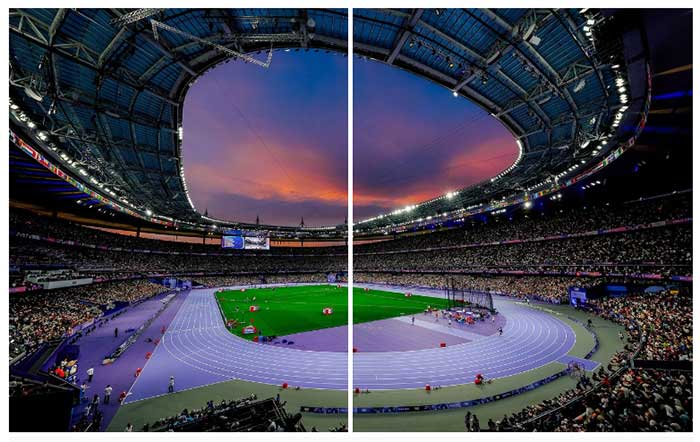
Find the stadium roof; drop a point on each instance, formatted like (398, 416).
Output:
(558, 79)
(101, 91)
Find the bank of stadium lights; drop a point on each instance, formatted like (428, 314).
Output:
(450, 195)
(179, 133)
(512, 166)
(527, 204)
(591, 184)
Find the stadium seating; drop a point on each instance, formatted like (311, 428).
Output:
(247, 414)
(647, 237)
(47, 315)
(621, 398)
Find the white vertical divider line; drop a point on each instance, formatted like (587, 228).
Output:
(350, 220)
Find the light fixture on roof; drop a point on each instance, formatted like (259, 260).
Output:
(32, 93)
(590, 22)
(580, 85)
(149, 212)
(455, 94)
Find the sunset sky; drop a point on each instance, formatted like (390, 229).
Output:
(414, 140)
(270, 142)
(273, 142)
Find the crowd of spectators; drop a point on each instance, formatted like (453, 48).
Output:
(223, 281)
(660, 329)
(662, 250)
(43, 316)
(664, 322)
(534, 223)
(246, 414)
(28, 223)
(25, 252)
(639, 400)
(666, 251)
(548, 289)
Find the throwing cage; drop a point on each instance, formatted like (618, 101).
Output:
(459, 296)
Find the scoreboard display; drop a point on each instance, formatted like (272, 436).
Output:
(577, 296)
(245, 240)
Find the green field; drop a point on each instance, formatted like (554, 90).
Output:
(377, 304)
(296, 309)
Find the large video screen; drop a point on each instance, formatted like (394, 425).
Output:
(256, 242)
(232, 242)
(237, 239)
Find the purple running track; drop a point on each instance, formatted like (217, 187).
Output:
(531, 339)
(101, 342)
(198, 350)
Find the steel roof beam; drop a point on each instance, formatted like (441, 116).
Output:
(477, 59)
(533, 52)
(112, 110)
(407, 29)
(61, 50)
(104, 55)
(167, 52)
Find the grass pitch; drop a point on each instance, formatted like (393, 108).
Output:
(373, 305)
(286, 310)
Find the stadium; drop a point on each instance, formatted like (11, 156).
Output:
(128, 304)
(551, 293)
(556, 293)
